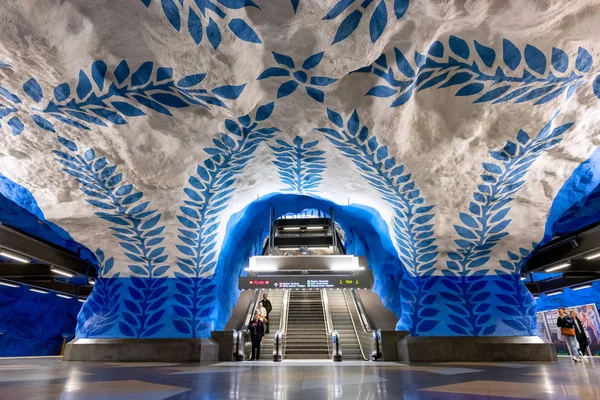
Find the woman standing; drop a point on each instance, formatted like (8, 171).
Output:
(567, 328)
(580, 333)
(256, 335)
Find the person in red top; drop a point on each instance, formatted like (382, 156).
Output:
(256, 334)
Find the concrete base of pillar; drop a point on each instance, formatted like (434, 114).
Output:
(142, 350)
(484, 348)
(389, 344)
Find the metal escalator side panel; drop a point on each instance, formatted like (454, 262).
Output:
(353, 309)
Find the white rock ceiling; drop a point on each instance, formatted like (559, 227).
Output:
(440, 138)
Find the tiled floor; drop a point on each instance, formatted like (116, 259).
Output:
(51, 378)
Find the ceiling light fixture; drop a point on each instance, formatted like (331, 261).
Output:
(14, 256)
(315, 228)
(9, 284)
(289, 248)
(592, 256)
(81, 300)
(38, 290)
(554, 293)
(581, 287)
(91, 281)
(291, 228)
(61, 272)
(64, 296)
(557, 267)
(523, 278)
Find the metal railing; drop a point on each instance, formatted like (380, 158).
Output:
(361, 312)
(283, 321)
(360, 346)
(327, 317)
(337, 347)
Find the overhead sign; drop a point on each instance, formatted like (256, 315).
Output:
(360, 281)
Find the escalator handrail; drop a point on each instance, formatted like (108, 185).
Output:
(362, 352)
(326, 312)
(283, 321)
(251, 308)
(361, 312)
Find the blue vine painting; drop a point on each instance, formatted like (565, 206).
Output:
(377, 22)
(299, 165)
(209, 192)
(479, 72)
(200, 22)
(413, 226)
(137, 229)
(96, 101)
(299, 76)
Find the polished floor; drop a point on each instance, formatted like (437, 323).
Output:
(51, 378)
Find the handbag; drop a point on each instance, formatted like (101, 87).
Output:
(567, 331)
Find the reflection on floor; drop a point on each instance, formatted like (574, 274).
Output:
(51, 378)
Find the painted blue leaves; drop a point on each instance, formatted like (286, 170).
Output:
(136, 228)
(377, 22)
(462, 66)
(299, 164)
(486, 221)
(208, 193)
(299, 76)
(200, 21)
(413, 225)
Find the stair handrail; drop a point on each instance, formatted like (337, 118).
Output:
(251, 309)
(362, 352)
(326, 312)
(283, 321)
(361, 312)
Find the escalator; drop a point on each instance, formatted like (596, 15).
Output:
(276, 298)
(306, 335)
(343, 322)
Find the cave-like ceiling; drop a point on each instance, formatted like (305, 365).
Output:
(140, 127)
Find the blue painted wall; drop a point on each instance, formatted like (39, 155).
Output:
(34, 323)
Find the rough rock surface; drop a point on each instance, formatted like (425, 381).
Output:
(458, 121)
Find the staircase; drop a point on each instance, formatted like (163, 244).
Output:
(266, 348)
(306, 336)
(342, 322)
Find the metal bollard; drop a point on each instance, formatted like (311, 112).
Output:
(376, 354)
(277, 350)
(337, 349)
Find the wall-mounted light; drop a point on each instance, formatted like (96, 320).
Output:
(523, 278)
(557, 267)
(581, 287)
(554, 293)
(81, 300)
(9, 284)
(61, 272)
(64, 296)
(14, 256)
(38, 290)
(593, 255)
(91, 281)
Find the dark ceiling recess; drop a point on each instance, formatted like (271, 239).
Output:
(576, 256)
(28, 261)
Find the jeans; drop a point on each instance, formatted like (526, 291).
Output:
(572, 343)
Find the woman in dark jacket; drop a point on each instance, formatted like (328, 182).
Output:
(256, 334)
(567, 327)
(580, 334)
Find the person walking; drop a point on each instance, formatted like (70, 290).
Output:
(256, 335)
(268, 307)
(580, 334)
(567, 328)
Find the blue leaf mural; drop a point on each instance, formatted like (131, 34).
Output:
(209, 192)
(470, 70)
(299, 75)
(378, 20)
(135, 227)
(205, 10)
(413, 225)
(132, 95)
(299, 164)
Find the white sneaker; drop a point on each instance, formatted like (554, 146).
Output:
(574, 358)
